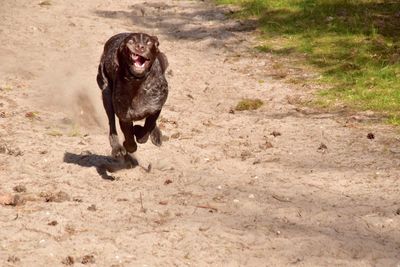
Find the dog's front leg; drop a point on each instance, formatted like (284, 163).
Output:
(129, 143)
(116, 149)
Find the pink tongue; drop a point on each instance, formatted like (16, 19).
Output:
(140, 60)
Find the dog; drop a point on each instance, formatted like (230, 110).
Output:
(131, 76)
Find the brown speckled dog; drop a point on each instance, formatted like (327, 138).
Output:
(131, 78)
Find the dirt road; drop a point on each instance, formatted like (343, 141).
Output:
(223, 191)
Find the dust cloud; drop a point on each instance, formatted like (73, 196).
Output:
(71, 87)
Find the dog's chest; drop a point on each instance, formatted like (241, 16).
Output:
(140, 101)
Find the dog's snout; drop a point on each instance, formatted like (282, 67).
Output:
(140, 47)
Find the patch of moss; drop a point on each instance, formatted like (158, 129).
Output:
(248, 104)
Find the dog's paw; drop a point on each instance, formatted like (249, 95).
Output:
(118, 151)
(141, 134)
(142, 139)
(130, 145)
(155, 136)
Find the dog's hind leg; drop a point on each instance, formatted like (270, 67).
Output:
(149, 129)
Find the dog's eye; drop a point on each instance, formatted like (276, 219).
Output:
(130, 41)
(149, 43)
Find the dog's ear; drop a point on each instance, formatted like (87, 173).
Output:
(120, 54)
(154, 39)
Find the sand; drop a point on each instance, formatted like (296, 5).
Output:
(223, 190)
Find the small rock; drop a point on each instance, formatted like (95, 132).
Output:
(322, 147)
(19, 200)
(31, 115)
(163, 202)
(204, 228)
(167, 182)
(251, 196)
(12, 200)
(266, 145)
(245, 155)
(13, 259)
(175, 135)
(92, 207)
(5, 149)
(70, 229)
(370, 136)
(275, 134)
(77, 199)
(53, 223)
(19, 188)
(88, 259)
(69, 260)
(236, 201)
(59, 197)
(398, 211)
(257, 161)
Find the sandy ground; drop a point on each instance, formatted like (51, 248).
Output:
(222, 190)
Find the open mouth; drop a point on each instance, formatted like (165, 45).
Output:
(139, 61)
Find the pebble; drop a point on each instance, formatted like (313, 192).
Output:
(251, 196)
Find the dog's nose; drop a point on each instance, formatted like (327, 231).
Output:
(140, 47)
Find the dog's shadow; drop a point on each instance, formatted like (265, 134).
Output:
(103, 164)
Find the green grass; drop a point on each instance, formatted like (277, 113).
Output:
(355, 44)
(248, 104)
(45, 3)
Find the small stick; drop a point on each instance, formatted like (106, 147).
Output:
(142, 209)
(206, 207)
(281, 199)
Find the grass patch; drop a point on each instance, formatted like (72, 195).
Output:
(248, 104)
(6, 88)
(355, 44)
(74, 131)
(55, 133)
(32, 115)
(45, 3)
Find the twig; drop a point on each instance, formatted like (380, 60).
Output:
(206, 207)
(142, 209)
(281, 199)
(151, 232)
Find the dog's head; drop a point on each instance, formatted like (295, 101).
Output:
(137, 53)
